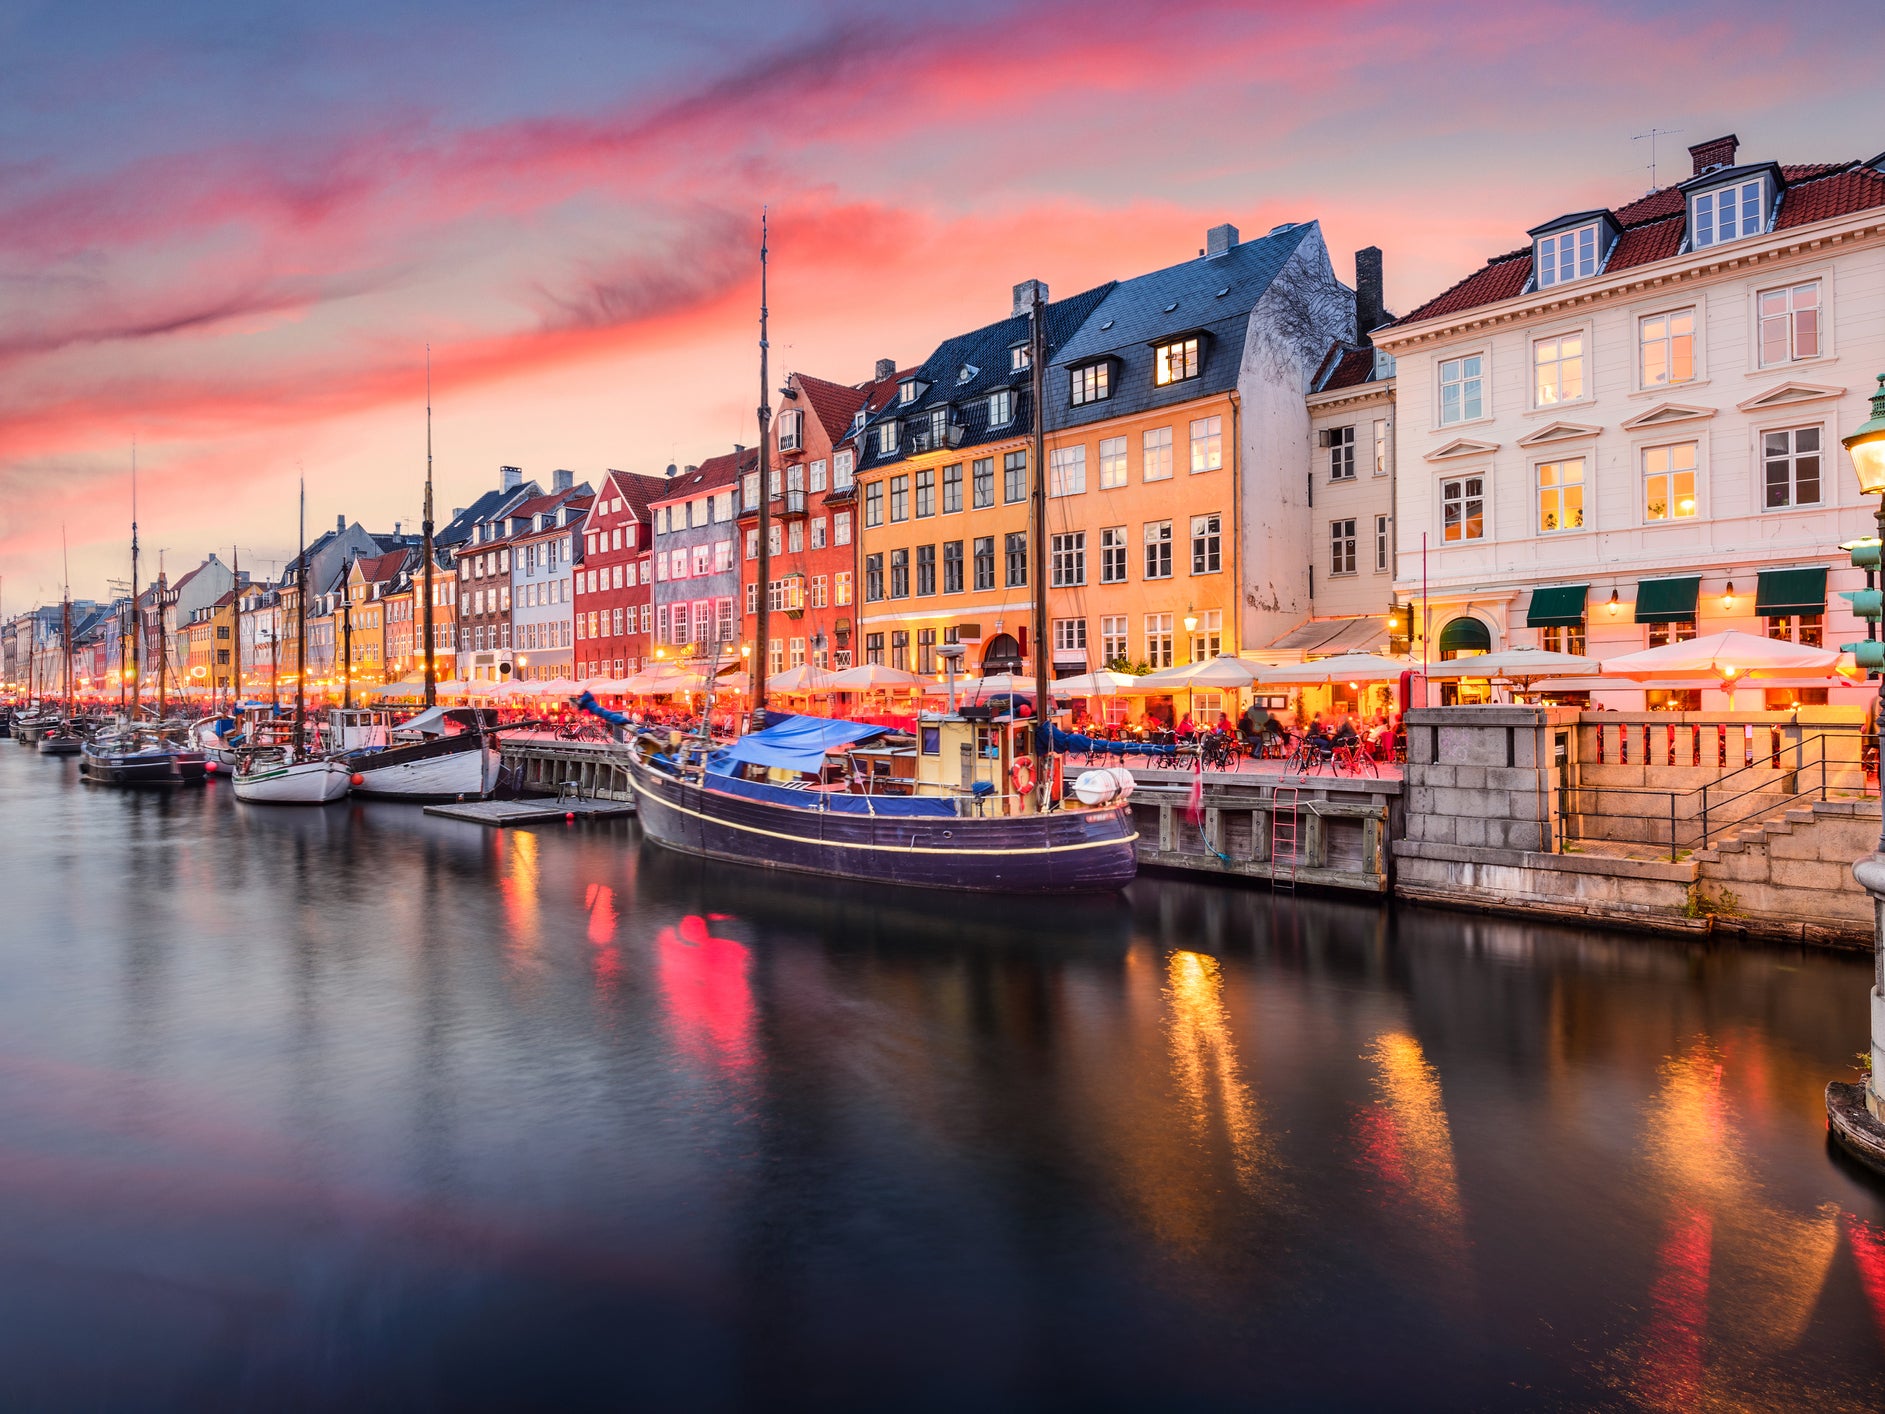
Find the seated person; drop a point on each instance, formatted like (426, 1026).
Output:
(1346, 735)
(1317, 737)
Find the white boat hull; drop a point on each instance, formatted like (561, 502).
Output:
(302, 783)
(472, 774)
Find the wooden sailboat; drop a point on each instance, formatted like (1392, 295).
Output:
(291, 773)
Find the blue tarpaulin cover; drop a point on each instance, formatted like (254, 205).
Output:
(795, 743)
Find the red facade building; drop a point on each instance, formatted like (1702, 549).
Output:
(615, 579)
(814, 523)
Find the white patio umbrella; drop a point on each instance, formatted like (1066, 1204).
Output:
(1208, 673)
(1520, 665)
(1104, 683)
(1344, 667)
(804, 678)
(968, 689)
(558, 687)
(1724, 657)
(872, 677)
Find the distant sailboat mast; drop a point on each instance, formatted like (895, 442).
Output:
(137, 609)
(301, 622)
(431, 669)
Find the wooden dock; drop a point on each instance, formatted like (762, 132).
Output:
(502, 814)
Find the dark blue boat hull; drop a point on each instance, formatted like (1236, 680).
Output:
(1061, 852)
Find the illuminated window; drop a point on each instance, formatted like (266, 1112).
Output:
(1158, 453)
(1669, 482)
(1175, 362)
(1463, 508)
(1090, 384)
(1561, 495)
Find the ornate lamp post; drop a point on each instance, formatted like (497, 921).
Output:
(1854, 1111)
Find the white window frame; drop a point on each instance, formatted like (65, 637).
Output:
(1464, 499)
(1001, 408)
(1791, 431)
(1344, 548)
(1152, 454)
(1066, 470)
(1667, 340)
(1067, 559)
(1383, 454)
(1114, 469)
(1115, 638)
(1341, 442)
(1115, 550)
(1705, 213)
(1383, 542)
(1558, 465)
(1570, 254)
(1207, 443)
(1483, 377)
(1581, 361)
(1643, 452)
(1821, 283)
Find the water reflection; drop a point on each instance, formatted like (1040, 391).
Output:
(1204, 1064)
(1405, 1138)
(709, 999)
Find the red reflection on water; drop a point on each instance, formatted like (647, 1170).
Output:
(600, 901)
(1678, 1301)
(1868, 1249)
(710, 1002)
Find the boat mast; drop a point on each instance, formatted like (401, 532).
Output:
(235, 634)
(66, 621)
(1038, 381)
(163, 646)
(137, 608)
(301, 619)
(763, 599)
(431, 673)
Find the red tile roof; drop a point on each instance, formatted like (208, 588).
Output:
(834, 404)
(1654, 226)
(1344, 366)
(378, 569)
(638, 490)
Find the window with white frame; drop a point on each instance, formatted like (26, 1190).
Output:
(1383, 537)
(1380, 446)
(1014, 477)
(1342, 546)
(1808, 630)
(1090, 384)
(1564, 638)
(1019, 357)
(1463, 508)
(1112, 463)
(1665, 346)
(1207, 543)
(1158, 454)
(1113, 645)
(1069, 559)
(1158, 549)
(1001, 408)
(1669, 482)
(1066, 471)
(1069, 635)
(1561, 495)
(1727, 213)
(840, 527)
(1567, 255)
(819, 527)
(818, 475)
(886, 438)
(1341, 444)
(982, 483)
(842, 464)
(906, 392)
(1207, 640)
(1113, 555)
(1207, 443)
(1158, 640)
(1558, 369)
(1789, 323)
(1678, 631)
(1790, 464)
(791, 431)
(1462, 388)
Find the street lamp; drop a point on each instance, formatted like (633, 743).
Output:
(1854, 1111)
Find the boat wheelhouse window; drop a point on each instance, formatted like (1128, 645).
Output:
(932, 741)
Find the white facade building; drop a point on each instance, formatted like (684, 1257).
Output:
(1639, 415)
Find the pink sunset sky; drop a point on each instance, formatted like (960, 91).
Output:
(229, 235)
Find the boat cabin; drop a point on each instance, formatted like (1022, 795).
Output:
(359, 728)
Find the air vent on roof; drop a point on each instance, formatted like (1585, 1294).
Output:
(1107, 325)
(1170, 307)
(1221, 293)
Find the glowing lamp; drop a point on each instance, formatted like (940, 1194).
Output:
(1729, 670)
(1727, 598)
(1614, 605)
(1866, 446)
(1191, 622)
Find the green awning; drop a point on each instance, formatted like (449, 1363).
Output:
(1668, 601)
(1465, 635)
(1796, 591)
(1557, 606)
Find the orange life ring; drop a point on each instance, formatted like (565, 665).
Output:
(1021, 775)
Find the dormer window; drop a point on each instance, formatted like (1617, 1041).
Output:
(1728, 213)
(1567, 255)
(966, 374)
(907, 392)
(1175, 362)
(886, 438)
(1020, 357)
(1091, 384)
(1001, 408)
(791, 431)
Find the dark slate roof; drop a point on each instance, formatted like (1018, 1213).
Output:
(486, 507)
(1654, 227)
(987, 352)
(1213, 295)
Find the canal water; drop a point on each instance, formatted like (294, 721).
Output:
(357, 1108)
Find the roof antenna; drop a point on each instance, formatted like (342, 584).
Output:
(1652, 135)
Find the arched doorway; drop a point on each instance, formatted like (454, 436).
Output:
(1464, 637)
(1002, 654)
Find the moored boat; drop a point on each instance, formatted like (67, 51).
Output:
(443, 754)
(136, 761)
(282, 776)
(62, 740)
(848, 800)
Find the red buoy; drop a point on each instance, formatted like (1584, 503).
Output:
(569, 814)
(357, 779)
(209, 768)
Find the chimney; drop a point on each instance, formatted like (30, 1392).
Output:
(886, 368)
(509, 478)
(1220, 240)
(395, 530)
(1024, 296)
(1369, 314)
(1716, 152)
(562, 480)
(340, 525)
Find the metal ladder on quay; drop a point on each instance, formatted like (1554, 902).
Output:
(1285, 836)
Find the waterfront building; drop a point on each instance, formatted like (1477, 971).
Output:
(1176, 508)
(813, 532)
(614, 578)
(369, 579)
(1625, 432)
(481, 600)
(543, 552)
(942, 487)
(258, 630)
(399, 603)
(696, 556)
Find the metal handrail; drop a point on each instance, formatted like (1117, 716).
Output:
(1708, 816)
